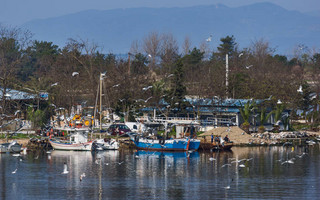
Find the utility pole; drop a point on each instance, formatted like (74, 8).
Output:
(227, 75)
(101, 79)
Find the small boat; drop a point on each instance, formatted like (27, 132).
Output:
(12, 147)
(226, 146)
(78, 141)
(105, 144)
(184, 144)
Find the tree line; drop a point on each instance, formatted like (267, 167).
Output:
(70, 74)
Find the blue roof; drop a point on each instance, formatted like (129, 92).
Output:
(17, 95)
(209, 105)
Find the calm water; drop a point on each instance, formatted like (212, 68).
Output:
(149, 175)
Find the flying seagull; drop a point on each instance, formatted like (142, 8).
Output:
(54, 84)
(209, 38)
(147, 88)
(75, 73)
(300, 89)
(248, 67)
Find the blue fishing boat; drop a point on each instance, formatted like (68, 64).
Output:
(150, 144)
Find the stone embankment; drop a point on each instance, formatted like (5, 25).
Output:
(240, 138)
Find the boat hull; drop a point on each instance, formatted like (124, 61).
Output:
(11, 148)
(214, 146)
(167, 145)
(71, 147)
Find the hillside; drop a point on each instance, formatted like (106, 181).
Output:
(115, 30)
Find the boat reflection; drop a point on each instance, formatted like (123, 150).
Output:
(157, 154)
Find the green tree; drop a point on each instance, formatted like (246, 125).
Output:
(228, 46)
(246, 112)
(178, 89)
(263, 118)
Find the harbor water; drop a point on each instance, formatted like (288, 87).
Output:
(269, 172)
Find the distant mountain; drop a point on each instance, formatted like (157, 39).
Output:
(115, 30)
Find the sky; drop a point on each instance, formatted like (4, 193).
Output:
(17, 12)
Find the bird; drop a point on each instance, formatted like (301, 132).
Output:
(15, 171)
(121, 100)
(170, 75)
(242, 165)
(120, 163)
(269, 97)
(117, 85)
(209, 38)
(227, 187)
(249, 66)
(279, 101)
(65, 169)
(82, 176)
(288, 162)
(144, 100)
(212, 159)
(241, 54)
(149, 55)
(147, 88)
(226, 165)
(300, 156)
(136, 156)
(75, 73)
(300, 89)
(54, 84)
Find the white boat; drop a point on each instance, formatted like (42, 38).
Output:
(12, 147)
(105, 144)
(78, 141)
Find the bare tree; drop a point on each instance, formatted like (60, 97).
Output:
(169, 51)
(152, 46)
(12, 43)
(186, 46)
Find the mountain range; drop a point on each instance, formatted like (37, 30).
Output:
(115, 30)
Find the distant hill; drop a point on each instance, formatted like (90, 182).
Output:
(115, 30)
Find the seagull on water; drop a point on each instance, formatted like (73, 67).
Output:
(82, 176)
(65, 169)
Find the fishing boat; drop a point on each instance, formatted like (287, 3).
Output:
(78, 141)
(12, 147)
(226, 146)
(183, 144)
(105, 144)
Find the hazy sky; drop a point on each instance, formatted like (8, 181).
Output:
(16, 12)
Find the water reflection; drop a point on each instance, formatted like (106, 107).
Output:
(246, 172)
